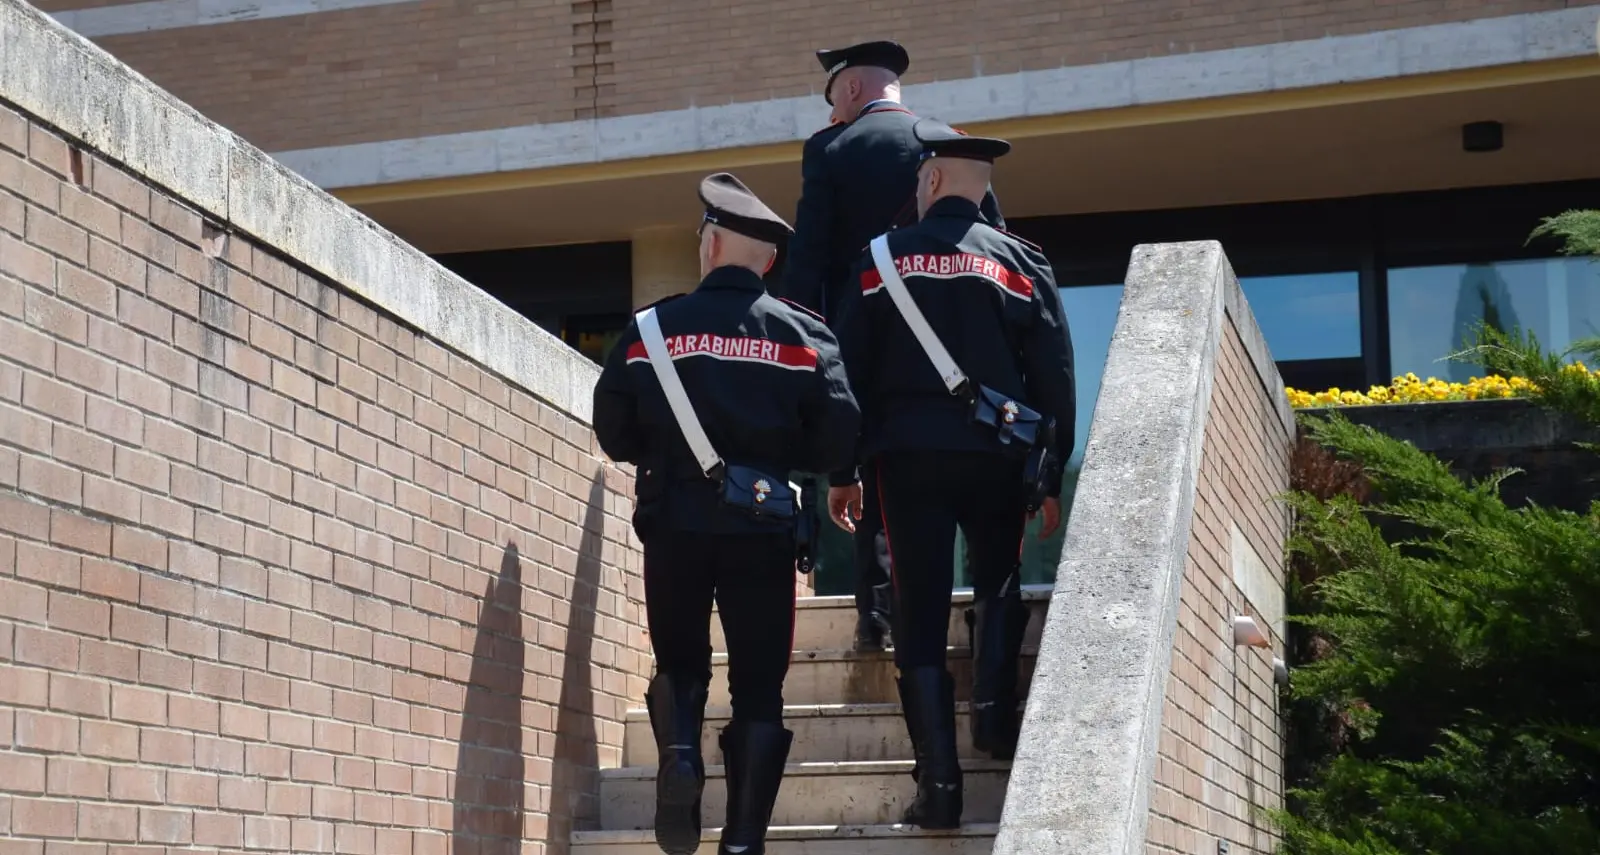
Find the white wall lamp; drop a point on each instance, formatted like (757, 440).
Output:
(1280, 671)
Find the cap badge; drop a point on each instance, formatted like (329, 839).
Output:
(761, 488)
(1009, 410)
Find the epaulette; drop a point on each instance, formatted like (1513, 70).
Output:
(667, 299)
(833, 125)
(1022, 240)
(804, 309)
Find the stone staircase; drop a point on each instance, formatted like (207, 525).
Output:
(848, 778)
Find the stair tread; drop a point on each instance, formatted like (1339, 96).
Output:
(799, 832)
(850, 655)
(803, 711)
(1031, 593)
(819, 767)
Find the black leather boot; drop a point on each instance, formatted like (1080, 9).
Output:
(754, 753)
(996, 627)
(677, 709)
(874, 603)
(873, 632)
(928, 696)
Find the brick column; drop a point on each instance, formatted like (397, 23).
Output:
(666, 260)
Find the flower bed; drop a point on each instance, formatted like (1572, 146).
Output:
(1410, 389)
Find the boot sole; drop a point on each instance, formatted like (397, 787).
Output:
(678, 791)
(932, 825)
(995, 748)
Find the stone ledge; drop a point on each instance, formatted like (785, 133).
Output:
(1086, 764)
(62, 80)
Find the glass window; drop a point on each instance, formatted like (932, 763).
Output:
(1309, 315)
(1091, 317)
(593, 335)
(1433, 310)
(597, 345)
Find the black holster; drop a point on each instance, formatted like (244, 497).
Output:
(808, 527)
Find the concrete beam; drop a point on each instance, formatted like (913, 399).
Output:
(1386, 55)
(63, 80)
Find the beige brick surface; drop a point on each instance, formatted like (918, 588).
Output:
(1221, 751)
(277, 572)
(445, 66)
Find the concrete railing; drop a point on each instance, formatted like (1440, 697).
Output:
(1145, 725)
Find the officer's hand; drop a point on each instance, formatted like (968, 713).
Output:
(1052, 517)
(844, 505)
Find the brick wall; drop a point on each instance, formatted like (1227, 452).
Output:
(277, 571)
(439, 66)
(1220, 759)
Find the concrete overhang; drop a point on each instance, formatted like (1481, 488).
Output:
(1380, 136)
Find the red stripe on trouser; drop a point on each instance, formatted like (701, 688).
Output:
(883, 516)
(1022, 539)
(794, 605)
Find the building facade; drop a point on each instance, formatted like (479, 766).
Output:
(1373, 167)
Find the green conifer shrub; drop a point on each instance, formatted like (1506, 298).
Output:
(1447, 694)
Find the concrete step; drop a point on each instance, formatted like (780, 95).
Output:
(829, 623)
(811, 794)
(970, 839)
(853, 677)
(822, 732)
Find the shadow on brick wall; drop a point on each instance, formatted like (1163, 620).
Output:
(492, 762)
(488, 795)
(575, 778)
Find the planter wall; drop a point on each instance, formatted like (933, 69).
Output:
(1478, 437)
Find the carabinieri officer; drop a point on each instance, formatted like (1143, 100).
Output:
(958, 348)
(716, 397)
(859, 179)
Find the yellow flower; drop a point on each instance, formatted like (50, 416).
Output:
(1408, 388)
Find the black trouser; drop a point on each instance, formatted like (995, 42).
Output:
(924, 497)
(751, 579)
(873, 588)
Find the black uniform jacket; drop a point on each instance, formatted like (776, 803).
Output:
(766, 381)
(991, 298)
(858, 181)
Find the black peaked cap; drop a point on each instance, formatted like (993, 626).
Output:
(731, 205)
(881, 54)
(940, 140)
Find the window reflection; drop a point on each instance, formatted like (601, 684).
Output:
(1307, 316)
(1091, 316)
(1433, 310)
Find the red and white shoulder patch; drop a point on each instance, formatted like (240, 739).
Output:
(953, 266)
(792, 357)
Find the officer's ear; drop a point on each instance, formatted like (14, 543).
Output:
(771, 260)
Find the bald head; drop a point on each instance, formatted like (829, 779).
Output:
(720, 247)
(860, 85)
(951, 176)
